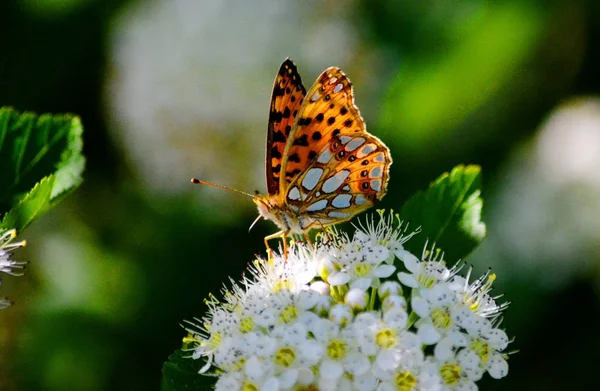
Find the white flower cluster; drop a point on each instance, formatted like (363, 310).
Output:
(358, 313)
(8, 265)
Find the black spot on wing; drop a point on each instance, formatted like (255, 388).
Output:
(304, 121)
(275, 153)
(294, 158)
(302, 141)
(291, 174)
(278, 136)
(275, 116)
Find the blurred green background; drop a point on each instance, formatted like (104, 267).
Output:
(170, 89)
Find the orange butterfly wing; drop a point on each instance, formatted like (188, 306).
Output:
(288, 94)
(333, 167)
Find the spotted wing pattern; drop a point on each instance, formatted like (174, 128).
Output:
(286, 99)
(334, 168)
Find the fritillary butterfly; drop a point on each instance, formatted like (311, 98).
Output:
(323, 167)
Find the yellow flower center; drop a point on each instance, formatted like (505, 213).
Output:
(475, 301)
(426, 281)
(482, 349)
(386, 338)
(289, 314)
(362, 269)
(246, 325)
(405, 381)
(239, 365)
(311, 387)
(249, 386)
(440, 318)
(450, 374)
(336, 350)
(285, 357)
(282, 285)
(215, 340)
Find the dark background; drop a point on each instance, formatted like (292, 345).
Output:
(168, 90)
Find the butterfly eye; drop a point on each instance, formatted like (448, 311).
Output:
(327, 97)
(336, 145)
(365, 185)
(365, 162)
(352, 158)
(364, 173)
(341, 154)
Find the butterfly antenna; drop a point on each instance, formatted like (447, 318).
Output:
(254, 222)
(199, 182)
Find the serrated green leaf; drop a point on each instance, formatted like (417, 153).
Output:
(33, 147)
(181, 373)
(35, 203)
(449, 213)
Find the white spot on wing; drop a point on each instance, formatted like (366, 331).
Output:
(338, 88)
(341, 201)
(379, 158)
(367, 149)
(319, 205)
(315, 97)
(345, 139)
(334, 182)
(338, 215)
(325, 156)
(312, 178)
(360, 200)
(346, 188)
(376, 172)
(294, 194)
(355, 143)
(376, 184)
(333, 80)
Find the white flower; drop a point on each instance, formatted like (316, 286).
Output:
(427, 272)
(384, 336)
(435, 307)
(462, 371)
(341, 352)
(414, 372)
(8, 265)
(325, 318)
(488, 346)
(476, 295)
(357, 299)
(361, 266)
(388, 232)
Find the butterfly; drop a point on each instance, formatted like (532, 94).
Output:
(322, 166)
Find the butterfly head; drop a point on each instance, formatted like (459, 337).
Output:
(283, 215)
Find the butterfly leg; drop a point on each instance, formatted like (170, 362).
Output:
(324, 231)
(283, 236)
(307, 237)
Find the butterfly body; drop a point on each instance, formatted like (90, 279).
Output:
(323, 167)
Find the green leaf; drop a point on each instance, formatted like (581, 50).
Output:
(449, 214)
(181, 373)
(33, 148)
(34, 204)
